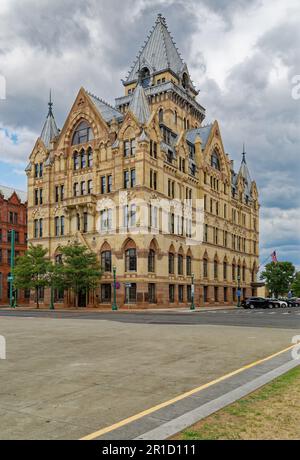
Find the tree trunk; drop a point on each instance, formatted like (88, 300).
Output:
(37, 297)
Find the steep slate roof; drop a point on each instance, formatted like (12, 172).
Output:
(139, 105)
(50, 130)
(159, 52)
(244, 172)
(203, 132)
(7, 192)
(106, 111)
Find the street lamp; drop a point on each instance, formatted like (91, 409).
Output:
(193, 293)
(239, 291)
(114, 305)
(12, 298)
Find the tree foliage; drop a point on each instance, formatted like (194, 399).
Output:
(32, 270)
(278, 276)
(296, 285)
(80, 270)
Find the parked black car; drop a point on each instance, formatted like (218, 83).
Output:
(293, 302)
(255, 302)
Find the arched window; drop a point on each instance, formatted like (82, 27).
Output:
(145, 75)
(225, 270)
(180, 264)
(151, 261)
(161, 116)
(171, 263)
(90, 157)
(233, 272)
(82, 158)
(78, 222)
(130, 260)
(106, 261)
(215, 161)
(82, 134)
(75, 161)
(216, 269)
(205, 268)
(188, 265)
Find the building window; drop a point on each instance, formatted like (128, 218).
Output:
(102, 184)
(216, 267)
(132, 178)
(205, 294)
(180, 293)
(106, 261)
(225, 294)
(171, 263)
(76, 189)
(109, 184)
(151, 261)
(56, 226)
(82, 134)
(62, 225)
(131, 293)
(85, 222)
(233, 272)
(161, 116)
(216, 294)
(78, 222)
(106, 220)
(215, 161)
(76, 161)
(105, 293)
(188, 265)
(153, 149)
(41, 228)
(171, 293)
(205, 268)
(151, 293)
(126, 179)
(129, 148)
(90, 186)
(130, 260)
(36, 201)
(153, 179)
(180, 264)
(90, 157)
(225, 270)
(36, 228)
(82, 188)
(82, 159)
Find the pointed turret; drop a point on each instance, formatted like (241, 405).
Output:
(50, 130)
(244, 172)
(139, 105)
(158, 55)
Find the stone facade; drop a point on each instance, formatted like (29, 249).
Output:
(93, 182)
(13, 216)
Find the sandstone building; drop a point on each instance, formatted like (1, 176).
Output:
(148, 187)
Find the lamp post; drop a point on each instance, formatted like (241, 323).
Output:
(114, 305)
(239, 291)
(52, 297)
(193, 293)
(12, 300)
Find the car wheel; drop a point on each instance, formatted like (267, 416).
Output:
(251, 306)
(271, 305)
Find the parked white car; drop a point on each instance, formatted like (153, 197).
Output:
(275, 303)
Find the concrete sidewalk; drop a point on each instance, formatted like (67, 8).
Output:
(129, 310)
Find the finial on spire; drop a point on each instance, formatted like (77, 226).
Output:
(244, 153)
(50, 103)
(161, 19)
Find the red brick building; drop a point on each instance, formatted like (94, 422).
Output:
(13, 216)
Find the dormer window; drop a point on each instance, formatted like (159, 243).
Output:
(145, 76)
(215, 161)
(82, 134)
(185, 80)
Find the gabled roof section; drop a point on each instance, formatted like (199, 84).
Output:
(7, 193)
(203, 132)
(107, 111)
(139, 105)
(159, 52)
(50, 130)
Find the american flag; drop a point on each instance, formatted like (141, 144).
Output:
(274, 257)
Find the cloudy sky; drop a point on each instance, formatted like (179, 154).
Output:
(242, 55)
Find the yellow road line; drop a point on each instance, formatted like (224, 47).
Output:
(138, 416)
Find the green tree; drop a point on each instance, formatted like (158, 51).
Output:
(296, 285)
(278, 277)
(80, 270)
(32, 270)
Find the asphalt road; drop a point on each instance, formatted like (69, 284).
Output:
(287, 318)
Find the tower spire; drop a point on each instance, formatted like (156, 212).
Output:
(50, 130)
(244, 154)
